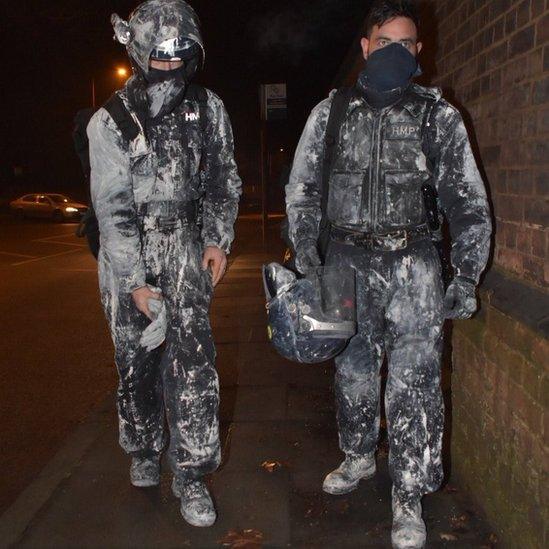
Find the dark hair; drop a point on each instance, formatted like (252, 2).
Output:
(385, 10)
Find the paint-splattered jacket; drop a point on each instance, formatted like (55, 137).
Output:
(181, 161)
(382, 159)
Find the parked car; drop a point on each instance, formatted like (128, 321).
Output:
(53, 206)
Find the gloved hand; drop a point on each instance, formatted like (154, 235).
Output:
(306, 256)
(155, 333)
(460, 300)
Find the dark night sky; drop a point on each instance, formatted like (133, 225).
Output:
(54, 48)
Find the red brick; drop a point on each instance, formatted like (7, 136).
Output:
(538, 151)
(523, 13)
(542, 30)
(543, 121)
(498, 7)
(540, 92)
(515, 71)
(544, 390)
(496, 56)
(542, 183)
(510, 233)
(534, 269)
(539, 243)
(522, 439)
(510, 260)
(538, 6)
(523, 241)
(531, 381)
(530, 123)
(536, 211)
(520, 182)
(522, 41)
(504, 357)
(535, 63)
(510, 208)
(511, 22)
(501, 397)
(540, 353)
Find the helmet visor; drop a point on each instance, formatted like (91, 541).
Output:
(175, 49)
(332, 312)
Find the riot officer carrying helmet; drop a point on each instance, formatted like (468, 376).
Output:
(396, 140)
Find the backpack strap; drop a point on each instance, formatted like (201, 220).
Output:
(122, 117)
(338, 110)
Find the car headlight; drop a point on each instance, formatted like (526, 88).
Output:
(71, 209)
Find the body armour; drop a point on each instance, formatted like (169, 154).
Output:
(375, 184)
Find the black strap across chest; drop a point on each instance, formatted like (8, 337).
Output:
(130, 129)
(338, 110)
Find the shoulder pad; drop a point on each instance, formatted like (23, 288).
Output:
(196, 93)
(427, 92)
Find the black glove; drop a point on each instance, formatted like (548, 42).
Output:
(306, 256)
(460, 300)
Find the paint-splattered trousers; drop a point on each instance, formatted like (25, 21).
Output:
(399, 307)
(175, 384)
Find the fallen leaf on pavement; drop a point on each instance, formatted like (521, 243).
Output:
(270, 466)
(243, 539)
(460, 522)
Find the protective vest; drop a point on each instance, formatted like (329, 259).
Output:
(380, 166)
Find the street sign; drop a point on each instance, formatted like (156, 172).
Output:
(273, 102)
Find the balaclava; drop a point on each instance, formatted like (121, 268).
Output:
(387, 74)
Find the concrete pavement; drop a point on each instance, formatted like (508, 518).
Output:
(279, 440)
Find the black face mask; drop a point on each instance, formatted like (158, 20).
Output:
(389, 68)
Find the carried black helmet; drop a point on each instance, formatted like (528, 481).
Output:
(310, 319)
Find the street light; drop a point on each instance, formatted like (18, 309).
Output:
(121, 72)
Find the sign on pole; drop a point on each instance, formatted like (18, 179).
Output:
(273, 102)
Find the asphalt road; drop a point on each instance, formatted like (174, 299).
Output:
(55, 352)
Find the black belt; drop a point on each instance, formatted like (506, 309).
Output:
(167, 215)
(391, 241)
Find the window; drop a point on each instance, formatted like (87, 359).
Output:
(58, 198)
(43, 200)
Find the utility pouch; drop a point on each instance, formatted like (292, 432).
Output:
(430, 200)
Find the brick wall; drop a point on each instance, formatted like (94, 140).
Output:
(493, 60)
(494, 57)
(499, 419)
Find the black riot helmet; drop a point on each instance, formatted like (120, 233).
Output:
(161, 29)
(310, 319)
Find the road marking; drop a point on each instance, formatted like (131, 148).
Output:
(43, 257)
(77, 270)
(63, 243)
(18, 255)
(53, 236)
